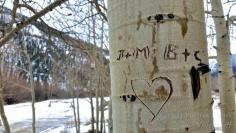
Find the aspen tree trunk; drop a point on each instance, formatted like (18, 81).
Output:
(97, 88)
(110, 125)
(159, 67)
(32, 88)
(74, 111)
(3, 115)
(97, 107)
(78, 115)
(226, 83)
(2, 111)
(101, 107)
(91, 76)
(91, 101)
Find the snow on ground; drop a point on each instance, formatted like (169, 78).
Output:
(58, 118)
(55, 119)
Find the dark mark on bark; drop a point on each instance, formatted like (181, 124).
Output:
(204, 69)
(186, 54)
(171, 16)
(196, 56)
(153, 34)
(170, 52)
(155, 67)
(140, 21)
(159, 17)
(212, 102)
(128, 98)
(186, 128)
(144, 51)
(124, 98)
(195, 81)
(142, 130)
(184, 26)
(149, 18)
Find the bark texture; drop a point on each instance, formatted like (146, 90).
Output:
(159, 67)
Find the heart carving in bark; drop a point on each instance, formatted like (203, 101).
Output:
(157, 89)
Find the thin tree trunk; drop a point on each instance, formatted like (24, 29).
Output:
(110, 125)
(97, 111)
(102, 87)
(32, 87)
(2, 111)
(97, 88)
(92, 113)
(159, 67)
(78, 115)
(3, 115)
(226, 81)
(101, 109)
(74, 112)
(91, 101)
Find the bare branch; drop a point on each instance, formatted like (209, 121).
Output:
(97, 6)
(23, 24)
(13, 13)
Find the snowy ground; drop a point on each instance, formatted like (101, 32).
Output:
(59, 117)
(55, 119)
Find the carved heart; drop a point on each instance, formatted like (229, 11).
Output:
(153, 90)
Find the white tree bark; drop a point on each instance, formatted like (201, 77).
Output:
(226, 85)
(159, 67)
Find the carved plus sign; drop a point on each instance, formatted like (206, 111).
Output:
(128, 55)
(186, 54)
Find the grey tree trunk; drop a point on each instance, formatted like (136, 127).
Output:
(159, 67)
(226, 81)
(2, 111)
(3, 115)
(32, 88)
(110, 125)
(78, 115)
(74, 111)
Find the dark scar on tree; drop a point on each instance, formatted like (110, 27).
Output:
(195, 75)
(168, 98)
(128, 98)
(213, 131)
(195, 81)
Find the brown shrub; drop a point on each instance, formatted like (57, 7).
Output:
(15, 90)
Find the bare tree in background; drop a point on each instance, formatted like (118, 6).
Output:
(2, 82)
